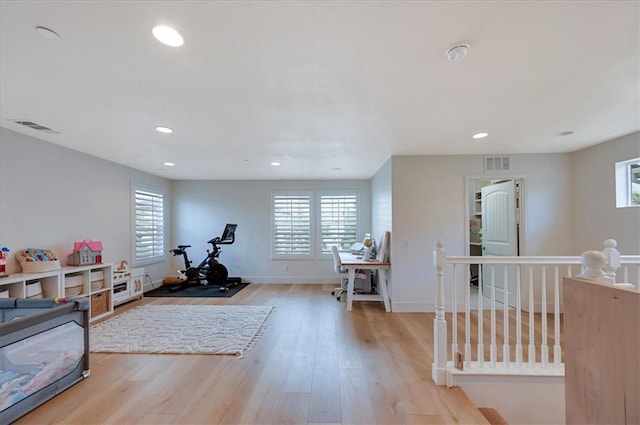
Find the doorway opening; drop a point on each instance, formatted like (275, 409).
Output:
(494, 220)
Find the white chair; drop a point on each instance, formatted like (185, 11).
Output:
(343, 273)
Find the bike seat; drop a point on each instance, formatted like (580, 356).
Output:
(184, 246)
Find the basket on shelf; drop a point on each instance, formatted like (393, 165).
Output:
(73, 285)
(97, 280)
(37, 260)
(34, 289)
(97, 284)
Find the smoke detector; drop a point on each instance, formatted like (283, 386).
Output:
(457, 52)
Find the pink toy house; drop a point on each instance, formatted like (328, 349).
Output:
(86, 252)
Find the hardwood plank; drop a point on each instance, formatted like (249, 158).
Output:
(325, 402)
(426, 420)
(293, 409)
(493, 416)
(356, 406)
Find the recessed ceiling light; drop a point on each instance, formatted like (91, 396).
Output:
(48, 33)
(565, 133)
(163, 129)
(168, 36)
(275, 164)
(480, 135)
(169, 164)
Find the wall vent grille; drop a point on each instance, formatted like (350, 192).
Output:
(35, 126)
(497, 163)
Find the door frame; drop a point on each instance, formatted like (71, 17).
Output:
(522, 228)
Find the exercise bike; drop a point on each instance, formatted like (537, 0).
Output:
(210, 271)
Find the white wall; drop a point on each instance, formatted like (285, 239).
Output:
(381, 219)
(202, 208)
(429, 204)
(381, 211)
(51, 196)
(597, 217)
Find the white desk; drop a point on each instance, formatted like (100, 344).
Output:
(352, 263)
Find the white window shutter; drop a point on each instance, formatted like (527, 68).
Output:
(338, 221)
(291, 225)
(149, 225)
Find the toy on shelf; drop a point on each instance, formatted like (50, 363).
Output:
(123, 266)
(4, 252)
(37, 260)
(86, 252)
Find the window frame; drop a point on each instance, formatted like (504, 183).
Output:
(337, 192)
(156, 258)
(624, 183)
(290, 256)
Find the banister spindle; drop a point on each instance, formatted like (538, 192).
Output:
(480, 346)
(626, 274)
(454, 315)
(518, 317)
(557, 352)
(467, 324)
(532, 347)
(544, 348)
(493, 347)
(506, 351)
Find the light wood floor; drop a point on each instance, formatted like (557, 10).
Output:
(316, 363)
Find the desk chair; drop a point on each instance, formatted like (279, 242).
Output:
(342, 272)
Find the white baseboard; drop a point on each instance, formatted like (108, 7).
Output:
(150, 286)
(262, 280)
(292, 280)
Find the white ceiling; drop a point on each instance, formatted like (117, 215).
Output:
(331, 89)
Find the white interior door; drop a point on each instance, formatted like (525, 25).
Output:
(499, 236)
(499, 233)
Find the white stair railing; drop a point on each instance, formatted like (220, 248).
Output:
(531, 279)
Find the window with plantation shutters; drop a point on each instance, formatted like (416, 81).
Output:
(338, 221)
(148, 223)
(292, 225)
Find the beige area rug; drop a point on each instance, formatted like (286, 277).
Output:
(182, 329)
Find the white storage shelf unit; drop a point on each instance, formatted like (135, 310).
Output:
(16, 284)
(55, 283)
(96, 283)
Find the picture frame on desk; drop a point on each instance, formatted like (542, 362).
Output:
(383, 248)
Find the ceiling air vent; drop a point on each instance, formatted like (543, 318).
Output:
(35, 126)
(497, 163)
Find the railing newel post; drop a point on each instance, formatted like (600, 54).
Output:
(438, 369)
(613, 258)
